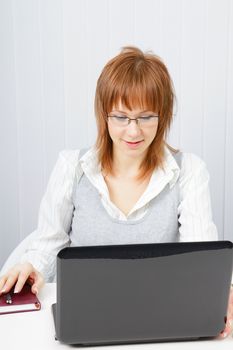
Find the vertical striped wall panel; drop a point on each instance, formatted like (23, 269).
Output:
(52, 52)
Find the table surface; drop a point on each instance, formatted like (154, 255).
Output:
(35, 330)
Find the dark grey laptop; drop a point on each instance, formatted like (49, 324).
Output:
(140, 293)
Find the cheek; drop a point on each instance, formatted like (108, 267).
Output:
(151, 134)
(155, 132)
(114, 132)
(110, 131)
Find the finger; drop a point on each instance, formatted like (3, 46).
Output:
(230, 311)
(222, 335)
(230, 301)
(39, 282)
(226, 332)
(9, 282)
(230, 324)
(231, 297)
(2, 283)
(31, 278)
(22, 278)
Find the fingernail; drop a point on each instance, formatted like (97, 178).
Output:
(16, 291)
(35, 290)
(224, 334)
(3, 290)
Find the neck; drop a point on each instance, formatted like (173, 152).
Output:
(126, 167)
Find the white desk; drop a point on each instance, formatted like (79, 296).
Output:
(35, 330)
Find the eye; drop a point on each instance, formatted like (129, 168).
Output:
(120, 118)
(146, 118)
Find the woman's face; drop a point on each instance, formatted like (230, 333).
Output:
(132, 139)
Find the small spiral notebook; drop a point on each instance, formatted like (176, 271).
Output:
(20, 302)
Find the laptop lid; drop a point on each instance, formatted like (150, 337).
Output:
(121, 294)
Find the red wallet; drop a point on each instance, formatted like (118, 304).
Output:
(19, 302)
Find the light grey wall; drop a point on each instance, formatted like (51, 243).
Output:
(52, 52)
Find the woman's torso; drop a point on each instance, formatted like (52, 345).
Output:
(92, 224)
(125, 193)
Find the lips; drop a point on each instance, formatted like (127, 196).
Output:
(134, 143)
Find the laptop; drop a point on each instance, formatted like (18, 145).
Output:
(140, 293)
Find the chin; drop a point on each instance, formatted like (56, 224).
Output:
(136, 152)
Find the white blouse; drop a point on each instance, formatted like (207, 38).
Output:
(56, 207)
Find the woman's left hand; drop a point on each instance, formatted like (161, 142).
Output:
(229, 324)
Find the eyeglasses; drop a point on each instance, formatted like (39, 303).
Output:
(143, 121)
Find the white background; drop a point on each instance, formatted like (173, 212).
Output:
(51, 54)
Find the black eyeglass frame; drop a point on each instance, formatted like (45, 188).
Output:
(130, 119)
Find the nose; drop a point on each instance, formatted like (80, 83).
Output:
(133, 129)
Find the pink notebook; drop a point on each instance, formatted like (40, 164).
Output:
(20, 302)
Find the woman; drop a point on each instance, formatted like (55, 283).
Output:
(129, 182)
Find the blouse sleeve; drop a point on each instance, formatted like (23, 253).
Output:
(55, 216)
(195, 215)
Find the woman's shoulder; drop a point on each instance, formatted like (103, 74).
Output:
(193, 168)
(191, 161)
(72, 156)
(183, 159)
(186, 161)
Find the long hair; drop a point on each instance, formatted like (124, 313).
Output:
(135, 79)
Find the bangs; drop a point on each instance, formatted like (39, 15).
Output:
(137, 88)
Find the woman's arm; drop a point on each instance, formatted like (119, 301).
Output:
(55, 216)
(195, 215)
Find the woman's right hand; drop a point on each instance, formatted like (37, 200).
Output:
(18, 275)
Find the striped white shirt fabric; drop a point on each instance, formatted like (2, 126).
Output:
(56, 209)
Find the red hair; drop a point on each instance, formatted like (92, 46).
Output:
(135, 79)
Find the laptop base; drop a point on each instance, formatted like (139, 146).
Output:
(53, 308)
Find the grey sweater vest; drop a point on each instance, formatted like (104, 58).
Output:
(92, 225)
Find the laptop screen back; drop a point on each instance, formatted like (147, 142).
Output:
(143, 292)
